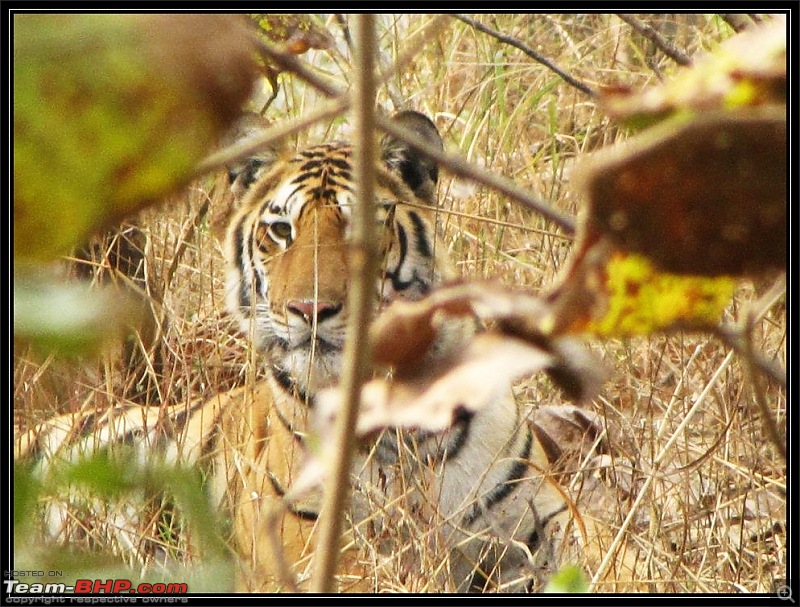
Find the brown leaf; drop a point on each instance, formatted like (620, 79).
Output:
(707, 197)
(429, 401)
(408, 336)
(403, 333)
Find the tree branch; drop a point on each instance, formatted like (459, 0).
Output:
(460, 167)
(738, 21)
(582, 87)
(665, 47)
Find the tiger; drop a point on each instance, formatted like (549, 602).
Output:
(481, 487)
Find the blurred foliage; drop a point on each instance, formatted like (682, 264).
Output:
(748, 70)
(291, 33)
(704, 197)
(111, 113)
(294, 32)
(109, 475)
(641, 298)
(570, 579)
(70, 319)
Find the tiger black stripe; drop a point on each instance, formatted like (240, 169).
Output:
(504, 489)
(423, 248)
(462, 419)
(534, 539)
(290, 387)
(307, 515)
(394, 275)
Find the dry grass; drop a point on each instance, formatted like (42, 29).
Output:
(709, 494)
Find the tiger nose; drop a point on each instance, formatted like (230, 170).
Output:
(308, 309)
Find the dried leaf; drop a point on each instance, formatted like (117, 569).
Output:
(673, 214)
(429, 401)
(407, 334)
(745, 71)
(613, 294)
(406, 330)
(704, 197)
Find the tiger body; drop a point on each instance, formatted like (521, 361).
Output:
(479, 485)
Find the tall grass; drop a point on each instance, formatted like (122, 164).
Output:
(711, 517)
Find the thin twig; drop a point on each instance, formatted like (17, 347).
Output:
(738, 21)
(272, 525)
(342, 21)
(737, 337)
(755, 313)
(363, 268)
(460, 167)
(758, 392)
(572, 81)
(239, 151)
(648, 32)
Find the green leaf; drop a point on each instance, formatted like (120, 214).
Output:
(70, 319)
(106, 474)
(26, 491)
(567, 580)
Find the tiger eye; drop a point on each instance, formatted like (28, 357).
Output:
(281, 230)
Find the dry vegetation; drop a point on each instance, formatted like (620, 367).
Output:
(709, 494)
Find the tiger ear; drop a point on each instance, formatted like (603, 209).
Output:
(243, 173)
(418, 172)
(231, 188)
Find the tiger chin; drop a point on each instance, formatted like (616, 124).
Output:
(471, 505)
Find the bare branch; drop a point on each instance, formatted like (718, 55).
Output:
(288, 62)
(462, 168)
(738, 337)
(734, 338)
(244, 149)
(758, 393)
(665, 47)
(582, 87)
(363, 267)
(738, 21)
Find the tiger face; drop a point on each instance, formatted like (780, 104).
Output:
(288, 249)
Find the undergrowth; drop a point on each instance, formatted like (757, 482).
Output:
(712, 516)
